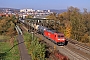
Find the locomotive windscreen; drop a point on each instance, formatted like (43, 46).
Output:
(60, 36)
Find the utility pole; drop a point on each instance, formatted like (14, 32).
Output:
(32, 35)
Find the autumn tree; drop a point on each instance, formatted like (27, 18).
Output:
(37, 50)
(78, 23)
(29, 16)
(7, 25)
(52, 16)
(73, 23)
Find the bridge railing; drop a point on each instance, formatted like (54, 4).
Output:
(18, 29)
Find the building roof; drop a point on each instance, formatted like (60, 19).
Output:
(40, 16)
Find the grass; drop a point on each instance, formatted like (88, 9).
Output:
(35, 49)
(13, 54)
(27, 39)
(4, 38)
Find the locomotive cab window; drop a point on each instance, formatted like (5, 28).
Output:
(55, 35)
(59, 36)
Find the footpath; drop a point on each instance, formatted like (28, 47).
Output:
(23, 51)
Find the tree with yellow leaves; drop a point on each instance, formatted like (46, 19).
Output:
(7, 25)
(68, 29)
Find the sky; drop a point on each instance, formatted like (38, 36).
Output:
(45, 4)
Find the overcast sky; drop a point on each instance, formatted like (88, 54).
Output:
(45, 4)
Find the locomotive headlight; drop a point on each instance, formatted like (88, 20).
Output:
(63, 39)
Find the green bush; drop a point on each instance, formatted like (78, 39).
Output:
(5, 54)
(35, 49)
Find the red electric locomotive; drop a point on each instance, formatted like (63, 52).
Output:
(55, 36)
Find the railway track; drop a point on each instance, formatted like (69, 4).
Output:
(50, 49)
(80, 46)
(73, 54)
